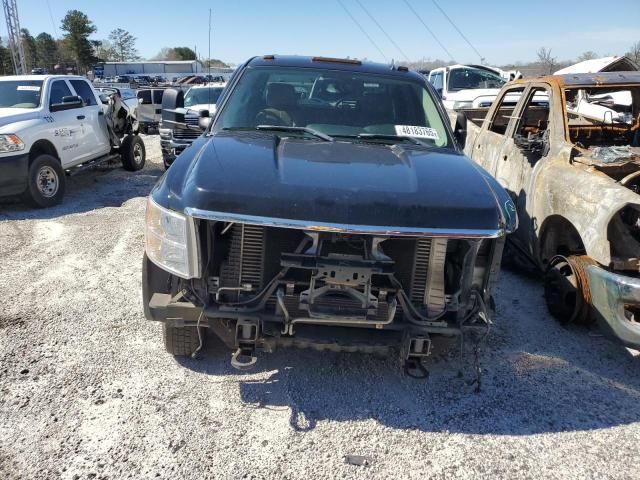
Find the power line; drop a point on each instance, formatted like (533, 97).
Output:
(362, 29)
(55, 29)
(458, 30)
(383, 30)
(428, 29)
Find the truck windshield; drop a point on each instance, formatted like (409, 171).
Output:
(202, 96)
(470, 78)
(20, 93)
(340, 104)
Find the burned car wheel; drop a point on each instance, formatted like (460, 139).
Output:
(181, 341)
(566, 289)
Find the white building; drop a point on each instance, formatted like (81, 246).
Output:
(149, 67)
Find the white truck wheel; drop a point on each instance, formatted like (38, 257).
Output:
(46, 183)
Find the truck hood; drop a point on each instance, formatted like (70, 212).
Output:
(13, 115)
(254, 174)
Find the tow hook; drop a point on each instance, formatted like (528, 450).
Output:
(244, 357)
(417, 348)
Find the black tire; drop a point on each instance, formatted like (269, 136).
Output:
(181, 341)
(132, 153)
(46, 182)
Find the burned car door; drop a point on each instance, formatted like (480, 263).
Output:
(522, 154)
(489, 145)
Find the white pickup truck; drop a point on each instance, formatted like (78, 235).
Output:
(56, 124)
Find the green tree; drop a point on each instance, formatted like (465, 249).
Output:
(124, 45)
(6, 64)
(47, 49)
(77, 28)
(176, 53)
(103, 50)
(214, 63)
(30, 50)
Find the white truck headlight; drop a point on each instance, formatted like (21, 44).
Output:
(10, 143)
(462, 104)
(171, 241)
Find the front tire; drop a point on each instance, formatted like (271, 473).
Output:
(566, 289)
(181, 341)
(133, 153)
(46, 182)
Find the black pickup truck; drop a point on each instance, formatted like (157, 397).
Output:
(325, 206)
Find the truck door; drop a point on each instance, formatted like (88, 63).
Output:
(96, 141)
(145, 109)
(522, 155)
(64, 128)
(157, 105)
(489, 143)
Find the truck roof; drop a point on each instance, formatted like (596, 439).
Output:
(347, 64)
(40, 77)
(597, 79)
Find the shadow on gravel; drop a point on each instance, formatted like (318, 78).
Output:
(103, 186)
(527, 388)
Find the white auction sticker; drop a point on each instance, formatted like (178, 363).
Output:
(29, 88)
(415, 131)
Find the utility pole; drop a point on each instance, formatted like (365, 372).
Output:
(15, 36)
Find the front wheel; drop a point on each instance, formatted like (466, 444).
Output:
(566, 289)
(46, 182)
(133, 153)
(182, 341)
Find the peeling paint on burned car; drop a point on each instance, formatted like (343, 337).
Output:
(568, 153)
(310, 216)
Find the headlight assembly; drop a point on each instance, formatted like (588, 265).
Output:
(10, 143)
(457, 105)
(170, 241)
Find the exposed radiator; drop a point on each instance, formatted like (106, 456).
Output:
(427, 282)
(246, 257)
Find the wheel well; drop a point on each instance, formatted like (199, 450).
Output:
(42, 147)
(559, 237)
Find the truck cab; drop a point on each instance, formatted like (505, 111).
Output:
(51, 124)
(466, 86)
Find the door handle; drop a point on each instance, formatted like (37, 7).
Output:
(80, 117)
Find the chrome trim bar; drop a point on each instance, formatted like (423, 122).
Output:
(314, 226)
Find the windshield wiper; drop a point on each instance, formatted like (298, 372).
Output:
(382, 136)
(310, 131)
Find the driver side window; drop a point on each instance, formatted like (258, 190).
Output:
(59, 90)
(531, 134)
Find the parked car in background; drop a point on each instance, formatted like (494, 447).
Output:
(149, 111)
(175, 138)
(567, 151)
(351, 224)
(55, 124)
(122, 79)
(466, 86)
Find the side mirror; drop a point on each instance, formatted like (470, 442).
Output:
(140, 101)
(104, 99)
(204, 119)
(69, 102)
(172, 101)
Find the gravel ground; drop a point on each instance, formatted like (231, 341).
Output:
(87, 391)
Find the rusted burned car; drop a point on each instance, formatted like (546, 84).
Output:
(326, 206)
(566, 149)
